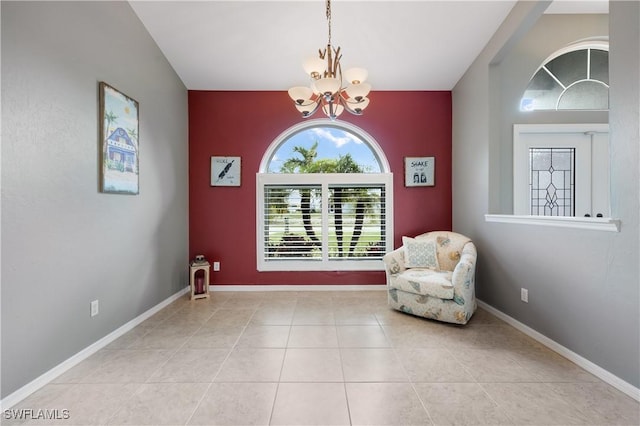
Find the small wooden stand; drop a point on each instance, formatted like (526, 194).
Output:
(195, 267)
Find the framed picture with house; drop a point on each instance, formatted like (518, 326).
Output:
(119, 144)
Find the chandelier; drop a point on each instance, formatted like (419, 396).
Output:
(328, 89)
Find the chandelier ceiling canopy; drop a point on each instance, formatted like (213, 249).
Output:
(331, 90)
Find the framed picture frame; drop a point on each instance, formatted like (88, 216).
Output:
(119, 143)
(226, 171)
(419, 171)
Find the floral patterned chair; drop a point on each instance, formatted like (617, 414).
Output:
(432, 276)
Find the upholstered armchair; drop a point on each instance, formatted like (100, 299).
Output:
(433, 276)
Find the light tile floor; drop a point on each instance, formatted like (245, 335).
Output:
(323, 358)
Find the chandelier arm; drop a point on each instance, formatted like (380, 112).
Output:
(318, 102)
(336, 63)
(346, 108)
(350, 102)
(346, 104)
(310, 101)
(332, 112)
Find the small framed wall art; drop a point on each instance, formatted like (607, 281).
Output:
(419, 171)
(225, 171)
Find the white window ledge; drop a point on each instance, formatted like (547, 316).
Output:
(592, 223)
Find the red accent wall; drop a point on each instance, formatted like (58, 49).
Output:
(222, 220)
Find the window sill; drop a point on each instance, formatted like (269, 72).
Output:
(593, 223)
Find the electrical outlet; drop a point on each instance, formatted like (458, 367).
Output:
(524, 295)
(95, 308)
(216, 266)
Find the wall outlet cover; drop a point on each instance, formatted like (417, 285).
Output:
(95, 308)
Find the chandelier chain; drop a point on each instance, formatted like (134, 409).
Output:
(329, 19)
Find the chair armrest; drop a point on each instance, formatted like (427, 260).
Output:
(394, 261)
(463, 278)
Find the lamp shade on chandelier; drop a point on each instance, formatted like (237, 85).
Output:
(330, 89)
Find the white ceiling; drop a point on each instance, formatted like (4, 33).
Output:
(260, 45)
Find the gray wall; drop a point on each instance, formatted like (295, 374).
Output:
(583, 285)
(64, 243)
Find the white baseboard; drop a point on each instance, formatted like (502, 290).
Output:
(61, 368)
(582, 362)
(17, 396)
(367, 287)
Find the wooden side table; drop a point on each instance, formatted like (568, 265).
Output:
(195, 278)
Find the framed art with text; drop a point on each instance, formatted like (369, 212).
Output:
(119, 151)
(225, 171)
(419, 171)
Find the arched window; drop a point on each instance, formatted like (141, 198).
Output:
(324, 200)
(574, 78)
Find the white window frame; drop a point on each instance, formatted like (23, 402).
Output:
(264, 178)
(590, 161)
(324, 180)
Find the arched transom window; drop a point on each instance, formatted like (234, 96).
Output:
(575, 78)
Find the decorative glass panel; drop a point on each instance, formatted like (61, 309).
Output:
(542, 93)
(552, 181)
(576, 80)
(600, 65)
(585, 95)
(569, 67)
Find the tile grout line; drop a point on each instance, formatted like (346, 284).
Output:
(344, 382)
(409, 379)
(213, 379)
(480, 385)
(210, 384)
(284, 357)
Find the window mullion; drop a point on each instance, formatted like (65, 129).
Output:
(552, 75)
(325, 221)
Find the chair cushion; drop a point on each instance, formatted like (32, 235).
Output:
(450, 247)
(420, 253)
(424, 281)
